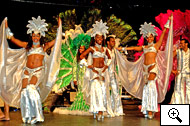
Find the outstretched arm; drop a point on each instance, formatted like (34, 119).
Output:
(136, 48)
(85, 53)
(159, 42)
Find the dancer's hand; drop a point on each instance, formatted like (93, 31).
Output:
(75, 82)
(119, 48)
(169, 18)
(105, 67)
(175, 72)
(90, 66)
(6, 24)
(95, 71)
(59, 21)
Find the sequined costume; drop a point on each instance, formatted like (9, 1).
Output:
(115, 96)
(12, 67)
(149, 97)
(30, 104)
(96, 91)
(182, 81)
(134, 75)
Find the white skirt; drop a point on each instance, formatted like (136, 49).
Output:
(98, 96)
(31, 106)
(149, 99)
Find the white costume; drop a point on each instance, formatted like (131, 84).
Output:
(181, 93)
(115, 97)
(13, 65)
(96, 91)
(149, 97)
(134, 75)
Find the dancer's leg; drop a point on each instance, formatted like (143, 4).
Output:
(6, 109)
(1, 115)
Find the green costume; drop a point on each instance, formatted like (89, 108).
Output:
(71, 71)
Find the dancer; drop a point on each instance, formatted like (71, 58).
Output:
(117, 104)
(28, 75)
(96, 86)
(182, 82)
(141, 81)
(79, 104)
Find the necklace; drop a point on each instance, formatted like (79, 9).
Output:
(150, 44)
(99, 47)
(35, 44)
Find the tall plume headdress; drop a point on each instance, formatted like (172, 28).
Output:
(99, 28)
(147, 29)
(37, 26)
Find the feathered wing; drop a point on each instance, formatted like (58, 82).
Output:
(68, 59)
(66, 66)
(122, 30)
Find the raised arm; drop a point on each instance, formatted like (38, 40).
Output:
(51, 43)
(13, 39)
(159, 42)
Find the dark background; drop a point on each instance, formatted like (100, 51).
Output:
(133, 12)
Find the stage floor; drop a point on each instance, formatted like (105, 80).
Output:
(131, 118)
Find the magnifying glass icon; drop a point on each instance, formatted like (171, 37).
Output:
(174, 113)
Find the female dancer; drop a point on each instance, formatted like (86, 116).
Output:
(96, 88)
(150, 69)
(79, 104)
(31, 70)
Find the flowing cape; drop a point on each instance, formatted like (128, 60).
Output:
(131, 73)
(12, 63)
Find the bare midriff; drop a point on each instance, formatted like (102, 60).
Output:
(150, 58)
(98, 62)
(34, 61)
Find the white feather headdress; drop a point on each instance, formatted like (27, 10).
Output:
(99, 28)
(147, 29)
(37, 26)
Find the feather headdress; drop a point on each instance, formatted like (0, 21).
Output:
(147, 29)
(99, 28)
(37, 26)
